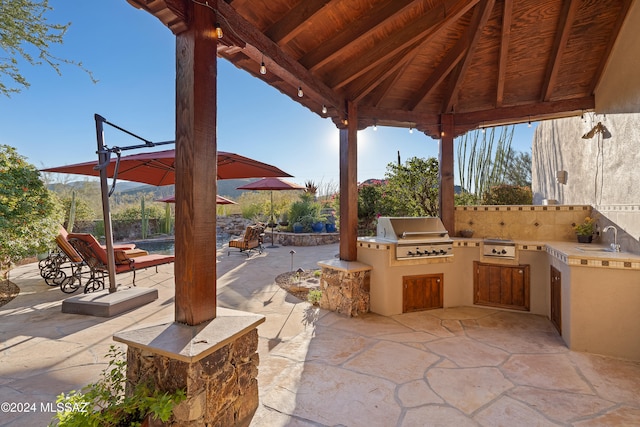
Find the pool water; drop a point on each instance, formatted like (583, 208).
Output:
(167, 246)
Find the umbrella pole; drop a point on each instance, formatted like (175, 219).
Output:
(103, 159)
(272, 222)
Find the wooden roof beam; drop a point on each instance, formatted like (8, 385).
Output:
(284, 65)
(504, 50)
(405, 37)
(565, 21)
(293, 23)
(172, 13)
(480, 17)
(330, 49)
(524, 113)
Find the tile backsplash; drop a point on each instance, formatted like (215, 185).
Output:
(527, 222)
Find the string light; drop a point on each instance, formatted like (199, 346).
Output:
(411, 129)
(529, 125)
(263, 68)
(324, 109)
(300, 92)
(375, 125)
(219, 32)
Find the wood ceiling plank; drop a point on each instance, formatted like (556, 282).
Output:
(624, 10)
(404, 37)
(331, 49)
(504, 50)
(296, 21)
(565, 22)
(481, 16)
(284, 65)
(440, 73)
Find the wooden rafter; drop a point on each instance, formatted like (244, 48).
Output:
(404, 37)
(331, 49)
(291, 24)
(565, 21)
(504, 50)
(479, 20)
(288, 69)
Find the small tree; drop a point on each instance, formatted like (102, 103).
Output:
(412, 188)
(29, 214)
(24, 29)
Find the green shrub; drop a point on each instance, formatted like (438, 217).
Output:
(508, 195)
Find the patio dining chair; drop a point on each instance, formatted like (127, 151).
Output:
(95, 258)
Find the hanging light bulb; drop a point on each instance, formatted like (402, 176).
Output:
(411, 129)
(375, 125)
(219, 32)
(324, 109)
(263, 68)
(345, 121)
(300, 92)
(529, 124)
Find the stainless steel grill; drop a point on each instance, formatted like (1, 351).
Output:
(499, 248)
(416, 237)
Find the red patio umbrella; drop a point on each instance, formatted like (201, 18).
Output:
(158, 168)
(271, 184)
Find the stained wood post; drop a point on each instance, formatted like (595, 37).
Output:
(446, 173)
(349, 186)
(196, 168)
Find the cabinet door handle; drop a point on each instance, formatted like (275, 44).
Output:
(520, 271)
(438, 281)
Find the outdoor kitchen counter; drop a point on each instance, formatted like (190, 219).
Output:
(571, 253)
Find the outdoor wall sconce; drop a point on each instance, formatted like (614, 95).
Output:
(561, 177)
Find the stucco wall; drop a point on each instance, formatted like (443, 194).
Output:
(601, 172)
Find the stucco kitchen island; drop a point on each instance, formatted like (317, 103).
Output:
(596, 300)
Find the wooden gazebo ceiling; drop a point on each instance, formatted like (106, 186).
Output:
(404, 63)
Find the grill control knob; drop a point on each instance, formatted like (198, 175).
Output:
(504, 251)
(418, 253)
(493, 251)
(443, 252)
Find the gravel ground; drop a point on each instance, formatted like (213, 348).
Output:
(8, 291)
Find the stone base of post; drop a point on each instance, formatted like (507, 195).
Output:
(215, 363)
(345, 287)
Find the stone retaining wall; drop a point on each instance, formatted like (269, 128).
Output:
(301, 239)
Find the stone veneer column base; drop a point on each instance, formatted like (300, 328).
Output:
(215, 363)
(345, 287)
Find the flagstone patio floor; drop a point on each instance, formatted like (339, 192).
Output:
(462, 366)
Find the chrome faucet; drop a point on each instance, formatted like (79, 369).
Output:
(614, 246)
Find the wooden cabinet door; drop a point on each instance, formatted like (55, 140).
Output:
(422, 292)
(503, 286)
(556, 299)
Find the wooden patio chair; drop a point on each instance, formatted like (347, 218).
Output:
(95, 257)
(250, 240)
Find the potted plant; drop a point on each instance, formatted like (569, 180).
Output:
(284, 219)
(585, 230)
(111, 402)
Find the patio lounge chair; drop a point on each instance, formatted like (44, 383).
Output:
(250, 240)
(95, 257)
(63, 267)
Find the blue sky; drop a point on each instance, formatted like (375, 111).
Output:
(132, 55)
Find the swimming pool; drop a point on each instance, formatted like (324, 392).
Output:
(167, 246)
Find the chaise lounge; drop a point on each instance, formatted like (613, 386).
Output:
(63, 267)
(95, 257)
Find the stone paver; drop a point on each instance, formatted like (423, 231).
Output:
(462, 366)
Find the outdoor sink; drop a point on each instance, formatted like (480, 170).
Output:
(593, 249)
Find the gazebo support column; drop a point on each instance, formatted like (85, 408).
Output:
(345, 282)
(210, 354)
(445, 160)
(349, 185)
